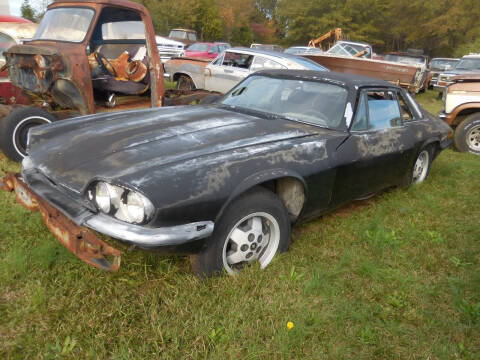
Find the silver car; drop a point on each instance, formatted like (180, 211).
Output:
(230, 67)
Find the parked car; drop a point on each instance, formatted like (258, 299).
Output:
(185, 36)
(13, 30)
(230, 67)
(436, 67)
(461, 100)
(267, 47)
(225, 182)
(169, 48)
(468, 64)
(297, 50)
(206, 50)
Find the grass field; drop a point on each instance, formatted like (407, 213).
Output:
(393, 277)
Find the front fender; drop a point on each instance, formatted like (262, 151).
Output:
(261, 178)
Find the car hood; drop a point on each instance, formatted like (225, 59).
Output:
(117, 147)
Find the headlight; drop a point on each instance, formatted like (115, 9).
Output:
(124, 204)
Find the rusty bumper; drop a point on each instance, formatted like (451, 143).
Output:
(79, 240)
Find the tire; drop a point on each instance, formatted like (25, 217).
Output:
(467, 135)
(14, 129)
(184, 82)
(421, 167)
(254, 228)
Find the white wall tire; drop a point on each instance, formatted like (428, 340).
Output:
(14, 129)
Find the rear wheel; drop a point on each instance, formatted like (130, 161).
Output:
(14, 130)
(184, 82)
(421, 167)
(467, 135)
(253, 229)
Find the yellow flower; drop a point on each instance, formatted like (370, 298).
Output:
(289, 326)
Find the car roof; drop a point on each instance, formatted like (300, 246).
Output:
(277, 54)
(471, 56)
(349, 80)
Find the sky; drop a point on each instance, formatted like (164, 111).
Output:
(15, 7)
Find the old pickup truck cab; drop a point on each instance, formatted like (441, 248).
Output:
(86, 57)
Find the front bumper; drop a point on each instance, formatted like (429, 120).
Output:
(68, 221)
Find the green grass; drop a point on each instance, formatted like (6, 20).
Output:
(431, 101)
(393, 277)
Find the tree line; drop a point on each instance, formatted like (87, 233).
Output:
(439, 27)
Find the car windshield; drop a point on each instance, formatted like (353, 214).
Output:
(65, 24)
(314, 102)
(410, 60)
(199, 47)
(441, 64)
(346, 49)
(178, 34)
(468, 64)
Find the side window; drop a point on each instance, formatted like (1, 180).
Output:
(407, 114)
(263, 63)
(237, 60)
(218, 61)
(192, 36)
(383, 110)
(361, 119)
(214, 49)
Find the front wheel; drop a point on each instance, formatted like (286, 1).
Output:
(14, 130)
(467, 135)
(253, 229)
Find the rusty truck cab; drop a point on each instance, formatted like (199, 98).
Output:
(86, 57)
(58, 65)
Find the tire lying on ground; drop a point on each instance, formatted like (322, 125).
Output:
(467, 134)
(14, 130)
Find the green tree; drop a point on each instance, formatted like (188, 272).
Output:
(27, 11)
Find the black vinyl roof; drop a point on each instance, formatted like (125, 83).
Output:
(349, 80)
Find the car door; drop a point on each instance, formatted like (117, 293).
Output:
(377, 153)
(222, 75)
